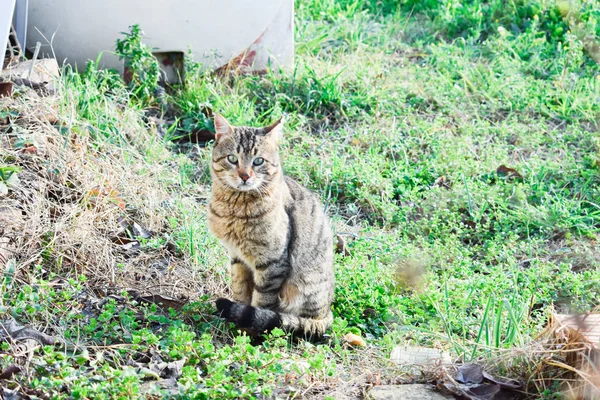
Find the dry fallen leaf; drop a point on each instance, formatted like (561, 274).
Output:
(442, 181)
(172, 369)
(101, 193)
(510, 173)
(138, 230)
(30, 149)
(9, 371)
(10, 328)
(469, 373)
(355, 340)
(471, 383)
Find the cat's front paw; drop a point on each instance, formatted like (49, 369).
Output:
(224, 307)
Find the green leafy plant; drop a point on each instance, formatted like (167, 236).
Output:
(365, 296)
(142, 68)
(8, 177)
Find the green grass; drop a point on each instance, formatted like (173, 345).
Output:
(399, 115)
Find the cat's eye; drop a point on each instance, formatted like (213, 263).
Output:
(232, 159)
(258, 161)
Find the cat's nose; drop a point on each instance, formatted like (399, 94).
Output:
(244, 176)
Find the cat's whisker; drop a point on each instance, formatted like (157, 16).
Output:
(261, 190)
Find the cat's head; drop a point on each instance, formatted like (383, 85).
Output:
(244, 158)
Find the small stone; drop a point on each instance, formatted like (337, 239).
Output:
(355, 340)
(406, 392)
(9, 394)
(168, 387)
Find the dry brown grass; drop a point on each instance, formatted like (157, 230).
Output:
(569, 357)
(561, 360)
(77, 195)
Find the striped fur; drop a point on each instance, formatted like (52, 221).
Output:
(277, 234)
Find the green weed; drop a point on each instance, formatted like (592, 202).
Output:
(140, 64)
(9, 176)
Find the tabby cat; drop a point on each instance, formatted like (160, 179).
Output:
(276, 232)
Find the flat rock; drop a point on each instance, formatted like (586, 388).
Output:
(406, 392)
(44, 70)
(414, 355)
(39, 74)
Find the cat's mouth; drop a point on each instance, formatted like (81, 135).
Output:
(246, 186)
(237, 184)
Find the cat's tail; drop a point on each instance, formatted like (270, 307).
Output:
(263, 320)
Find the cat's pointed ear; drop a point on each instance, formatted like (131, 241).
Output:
(275, 130)
(222, 127)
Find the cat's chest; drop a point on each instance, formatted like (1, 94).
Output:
(251, 239)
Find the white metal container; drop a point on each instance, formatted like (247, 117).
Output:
(7, 8)
(258, 32)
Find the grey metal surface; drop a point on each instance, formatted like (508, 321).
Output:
(20, 21)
